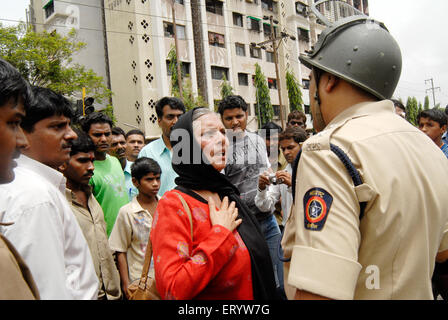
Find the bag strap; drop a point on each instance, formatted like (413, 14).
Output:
(148, 254)
(146, 265)
(187, 209)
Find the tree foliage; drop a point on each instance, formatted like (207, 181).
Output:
(265, 109)
(226, 88)
(294, 92)
(412, 108)
(172, 67)
(45, 59)
(189, 99)
(426, 105)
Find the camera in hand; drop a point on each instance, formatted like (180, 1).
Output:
(273, 179)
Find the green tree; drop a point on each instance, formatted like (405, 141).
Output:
(226, 88)
(412, 110)
(189, 99)
(426, 106)
(294, 92)
(172, 67)
(264, 107)
(45, 59)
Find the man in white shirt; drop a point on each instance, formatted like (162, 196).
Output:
(290, 141)
(45, 231)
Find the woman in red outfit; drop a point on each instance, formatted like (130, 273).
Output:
(226, 257)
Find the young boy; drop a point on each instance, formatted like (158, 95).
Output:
(130, 233)
(433, 123)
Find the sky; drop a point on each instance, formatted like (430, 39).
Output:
(418, 26)
(420, 29)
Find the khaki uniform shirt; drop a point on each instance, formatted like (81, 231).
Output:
(16, 280)
(93, 227)
(390, 253)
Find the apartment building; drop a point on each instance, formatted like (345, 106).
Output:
(129, 40)
(86, 17)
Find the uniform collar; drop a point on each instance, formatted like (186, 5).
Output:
(53, 176)
(361, 110)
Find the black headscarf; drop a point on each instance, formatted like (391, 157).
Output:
(195, 174)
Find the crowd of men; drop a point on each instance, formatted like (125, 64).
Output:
(363, 196)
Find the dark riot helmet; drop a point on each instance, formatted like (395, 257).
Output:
(361, 51)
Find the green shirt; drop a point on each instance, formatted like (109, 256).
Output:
(109, 188)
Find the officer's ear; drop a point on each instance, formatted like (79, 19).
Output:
(330, 82)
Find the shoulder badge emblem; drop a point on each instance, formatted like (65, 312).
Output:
(317, 203)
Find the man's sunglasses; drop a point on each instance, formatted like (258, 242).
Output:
(299, 123)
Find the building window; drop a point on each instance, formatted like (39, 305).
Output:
(253, 23)
(240, 49)
(267, 29)
(218, 73)
(184, 68)
(238, 19)
(269, 5)
(301, 9)
(306, 84)
(272, 83)
(214, 6)
(270, 56)
(303, 34)
(49, 8)
(255, 53)
(169, 31)
(216, 40)
(307, 109)
(276, 111)
(243, 79)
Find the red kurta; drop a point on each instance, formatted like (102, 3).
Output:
(216, 265)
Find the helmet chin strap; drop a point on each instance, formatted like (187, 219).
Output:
(318, 118)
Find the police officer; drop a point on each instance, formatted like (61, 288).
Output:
(379, 239)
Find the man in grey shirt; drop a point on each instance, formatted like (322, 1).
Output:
(247, 158)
